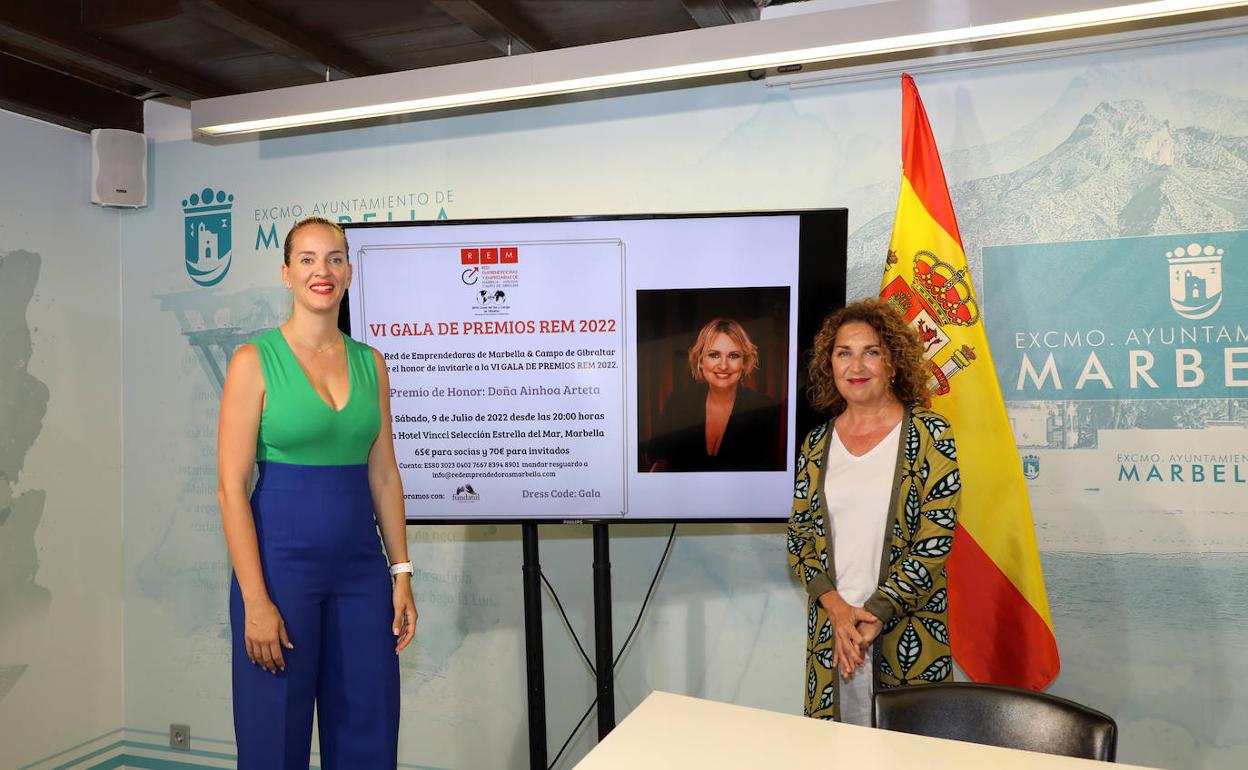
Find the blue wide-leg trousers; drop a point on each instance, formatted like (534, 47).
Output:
(326, 572)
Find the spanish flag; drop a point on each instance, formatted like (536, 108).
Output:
(999, 622)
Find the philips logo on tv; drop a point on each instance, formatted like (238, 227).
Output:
(207, 227)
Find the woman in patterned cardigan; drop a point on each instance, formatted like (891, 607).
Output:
(874, 509)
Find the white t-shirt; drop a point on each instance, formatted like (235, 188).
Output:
(857, 491)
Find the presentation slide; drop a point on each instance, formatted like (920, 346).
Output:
(597, 369)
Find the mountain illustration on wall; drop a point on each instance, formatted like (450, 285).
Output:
(23, 405)
(1121, 172)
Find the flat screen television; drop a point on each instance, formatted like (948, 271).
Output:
(603, 368)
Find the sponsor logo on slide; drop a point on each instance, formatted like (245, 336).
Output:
(465, 494)
(493, 273)
(1195, 280)
(207, 227)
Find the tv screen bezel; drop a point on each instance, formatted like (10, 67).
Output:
(821, 287)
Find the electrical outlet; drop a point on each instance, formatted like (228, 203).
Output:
(180, 737)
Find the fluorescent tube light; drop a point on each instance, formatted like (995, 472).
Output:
(905, 25)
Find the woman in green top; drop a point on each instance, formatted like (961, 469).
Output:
(316, 619)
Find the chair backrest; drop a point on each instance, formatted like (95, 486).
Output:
(998, 716)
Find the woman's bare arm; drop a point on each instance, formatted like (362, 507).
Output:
(387, 491)
(242, 400)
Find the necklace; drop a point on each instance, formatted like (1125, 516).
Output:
(314, 348)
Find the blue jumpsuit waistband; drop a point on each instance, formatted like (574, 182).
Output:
(307, 478)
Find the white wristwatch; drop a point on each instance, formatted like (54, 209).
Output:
(403, 566)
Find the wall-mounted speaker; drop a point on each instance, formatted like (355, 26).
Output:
(118, 168)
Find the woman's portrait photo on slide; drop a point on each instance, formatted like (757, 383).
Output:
(712, 379)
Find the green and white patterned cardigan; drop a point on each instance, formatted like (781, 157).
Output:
(912, 597)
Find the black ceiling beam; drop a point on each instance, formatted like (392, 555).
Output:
(94, 77)
(256, 25)
(110, 14)
(713, 13)
(498, 23)
(59, 41)
(40, 93)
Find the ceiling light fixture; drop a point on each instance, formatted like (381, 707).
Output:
(903, 25)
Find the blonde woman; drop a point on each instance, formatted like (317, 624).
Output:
(317, 616)
(718, 423)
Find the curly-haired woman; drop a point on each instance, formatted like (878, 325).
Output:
(874, 509)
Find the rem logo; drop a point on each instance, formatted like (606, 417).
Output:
(490, 255)
(207, 229)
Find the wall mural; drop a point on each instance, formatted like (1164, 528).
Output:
(1131, 567)
(23, 404)
(1105, 148)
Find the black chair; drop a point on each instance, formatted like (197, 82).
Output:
(998, 716)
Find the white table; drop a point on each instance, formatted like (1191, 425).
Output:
(683, 733)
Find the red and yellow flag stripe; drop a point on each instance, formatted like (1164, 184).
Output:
(1000, 627)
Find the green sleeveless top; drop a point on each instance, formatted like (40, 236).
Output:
(297, 426)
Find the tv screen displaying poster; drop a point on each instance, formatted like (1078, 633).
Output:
(631, 368)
